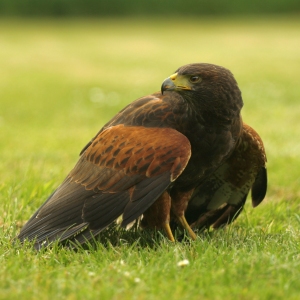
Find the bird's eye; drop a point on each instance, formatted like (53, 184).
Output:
(195, 78)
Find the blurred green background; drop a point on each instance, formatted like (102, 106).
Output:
(144, 7)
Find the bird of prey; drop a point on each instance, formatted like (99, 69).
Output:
(150, 159)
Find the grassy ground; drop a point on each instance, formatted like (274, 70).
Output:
(60, 81)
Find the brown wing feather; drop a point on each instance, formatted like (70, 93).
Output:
(123, 171)
(221, 196)
(120, 151)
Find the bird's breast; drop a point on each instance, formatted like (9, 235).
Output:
(209, 149)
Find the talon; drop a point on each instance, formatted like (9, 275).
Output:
(168, 231)
(187, 227)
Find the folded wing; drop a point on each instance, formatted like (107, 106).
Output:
(122, 172)
(219, 199)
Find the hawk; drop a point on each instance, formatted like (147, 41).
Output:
(150, 159)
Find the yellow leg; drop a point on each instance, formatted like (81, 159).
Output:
(168, 231)
(187, 227)
(179, 204)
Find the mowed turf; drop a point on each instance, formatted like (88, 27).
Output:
(61, 80)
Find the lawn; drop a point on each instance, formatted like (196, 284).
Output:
(61, 80)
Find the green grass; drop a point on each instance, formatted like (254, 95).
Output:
(61, 80)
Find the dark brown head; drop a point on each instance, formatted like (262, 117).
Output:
(208, 88)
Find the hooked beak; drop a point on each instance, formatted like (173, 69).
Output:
(175, 83)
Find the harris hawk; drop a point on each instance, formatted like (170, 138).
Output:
(148, 159)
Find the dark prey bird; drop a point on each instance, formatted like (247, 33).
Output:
(154, 152)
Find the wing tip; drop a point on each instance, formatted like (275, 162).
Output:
(259, 187)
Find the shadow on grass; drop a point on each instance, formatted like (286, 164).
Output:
(115, 236)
